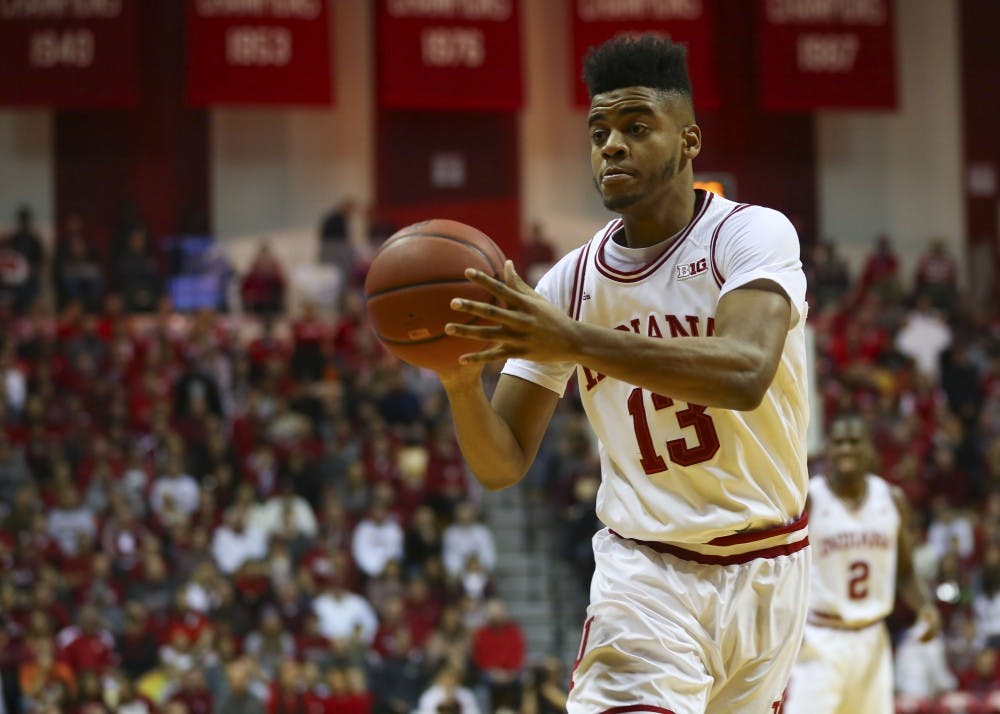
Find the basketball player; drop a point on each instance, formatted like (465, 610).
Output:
(684, 322)
(861, 550)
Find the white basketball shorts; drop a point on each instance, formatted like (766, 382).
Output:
(842, 672)
(666, 634)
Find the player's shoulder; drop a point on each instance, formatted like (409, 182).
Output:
(890, 490)
(818, 482)
(732, 216)
(818, 493)
(882, 485)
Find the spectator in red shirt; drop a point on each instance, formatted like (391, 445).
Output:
(287, 691)
(881, 270)
(423, 609)
(270, 644)
(137, 644)
(984, 675)
(183, 618)
(498, 652)
(310, 644)
(937, 275)
(194, 693)
(349, 693)
(44, 598)
(263, 286)
(447, 482)
(310, 335)
(86, 646)
(101, 589)
(393, 624)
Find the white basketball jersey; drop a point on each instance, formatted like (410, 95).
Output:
(673, 471)
(854, 553)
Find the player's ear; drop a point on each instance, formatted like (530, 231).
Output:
(691, 141)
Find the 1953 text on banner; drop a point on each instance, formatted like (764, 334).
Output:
(263, 52)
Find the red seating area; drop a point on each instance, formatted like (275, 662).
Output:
(209, 512)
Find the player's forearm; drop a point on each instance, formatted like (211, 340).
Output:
(913, 591)
(711, 371)
(486, 441)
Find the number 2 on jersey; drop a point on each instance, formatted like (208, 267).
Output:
(678, 450)
(857, 586)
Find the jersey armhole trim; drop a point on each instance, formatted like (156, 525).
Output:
(579, 273)
(716, 273)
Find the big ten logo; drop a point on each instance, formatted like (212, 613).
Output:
(452, 47)
(259, 46)
(689, 270)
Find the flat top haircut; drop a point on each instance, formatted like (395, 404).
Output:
(643, 61)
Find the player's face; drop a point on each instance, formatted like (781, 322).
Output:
(849, 448)
(640, 140)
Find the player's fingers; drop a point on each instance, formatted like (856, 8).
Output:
(498, 288)
(486, 311)
(487, 333)
(513, 279)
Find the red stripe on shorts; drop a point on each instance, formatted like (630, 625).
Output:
(741, 538)
(583, 649)
(638, 708)
(706, 559)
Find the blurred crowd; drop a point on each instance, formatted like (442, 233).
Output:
(260, 510)
(219, 512)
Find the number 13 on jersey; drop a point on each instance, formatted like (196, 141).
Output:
(678, 450)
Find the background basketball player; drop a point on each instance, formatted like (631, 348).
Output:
(861, 555)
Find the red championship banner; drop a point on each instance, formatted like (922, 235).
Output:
(451, 54)
(686, 21)
(259, 52)
(826, 54)
(67, 54)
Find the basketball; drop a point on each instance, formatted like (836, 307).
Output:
(412, 280)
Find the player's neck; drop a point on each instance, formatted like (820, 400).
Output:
(649, 226)
(850, 488)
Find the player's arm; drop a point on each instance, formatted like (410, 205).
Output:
(909, 586)
(732, 369)
(499, 438)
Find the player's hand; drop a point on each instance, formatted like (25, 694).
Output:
(930, 619)
(527, 325)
